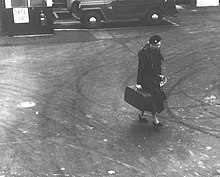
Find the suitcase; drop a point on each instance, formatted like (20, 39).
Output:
(139, 99)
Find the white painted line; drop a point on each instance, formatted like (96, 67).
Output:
(71, 29)
(33, 35)
(66, 22)
(55, 15)
(175, 24)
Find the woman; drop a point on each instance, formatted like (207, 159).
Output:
(149, 77)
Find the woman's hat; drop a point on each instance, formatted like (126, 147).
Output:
(154, 39)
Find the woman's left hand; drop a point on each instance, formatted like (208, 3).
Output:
(163, 80)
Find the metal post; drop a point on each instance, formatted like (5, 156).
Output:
(49, 3)
(29, 3)
(2, 20)
(1, 14)
(7, 3)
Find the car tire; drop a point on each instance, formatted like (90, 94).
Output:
(92, 20)
(154, 17)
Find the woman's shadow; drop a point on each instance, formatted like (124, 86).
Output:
(148, 139)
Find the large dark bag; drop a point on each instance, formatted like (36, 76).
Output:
(139, 99)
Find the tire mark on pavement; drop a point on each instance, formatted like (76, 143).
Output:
(174, 116)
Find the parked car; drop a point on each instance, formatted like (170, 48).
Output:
(179, 2)
(60, 4)
(92, 12)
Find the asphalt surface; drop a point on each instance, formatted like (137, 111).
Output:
(63, 112)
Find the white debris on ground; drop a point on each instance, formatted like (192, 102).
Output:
(26, 104)
(208, 148)
(211, 99)
(111, 172)
(89, 116)
(178, 7)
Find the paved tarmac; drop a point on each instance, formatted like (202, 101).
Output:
(63, 112)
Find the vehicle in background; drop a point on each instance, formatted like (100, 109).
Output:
(92, 12)
(180, 2)
(60, 4)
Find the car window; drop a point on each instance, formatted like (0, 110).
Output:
(108, 1)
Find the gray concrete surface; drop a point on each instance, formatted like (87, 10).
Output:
(63, 114)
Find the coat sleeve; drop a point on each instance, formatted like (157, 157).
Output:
(161, 59)
(141, 67)
(161, 56)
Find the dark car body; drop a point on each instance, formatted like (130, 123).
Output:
(178, 2)
(92, 12)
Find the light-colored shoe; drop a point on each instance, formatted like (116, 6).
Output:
(157, 125)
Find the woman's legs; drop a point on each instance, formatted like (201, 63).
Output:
(155, 119)
(142, 118)
(156, 122)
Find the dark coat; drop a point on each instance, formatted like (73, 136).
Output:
(149, 67)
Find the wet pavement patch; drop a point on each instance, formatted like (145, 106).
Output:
(57, 38)
(102, 35)
(74, 25)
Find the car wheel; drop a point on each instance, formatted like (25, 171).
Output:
(154, 17)
(92, 20)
